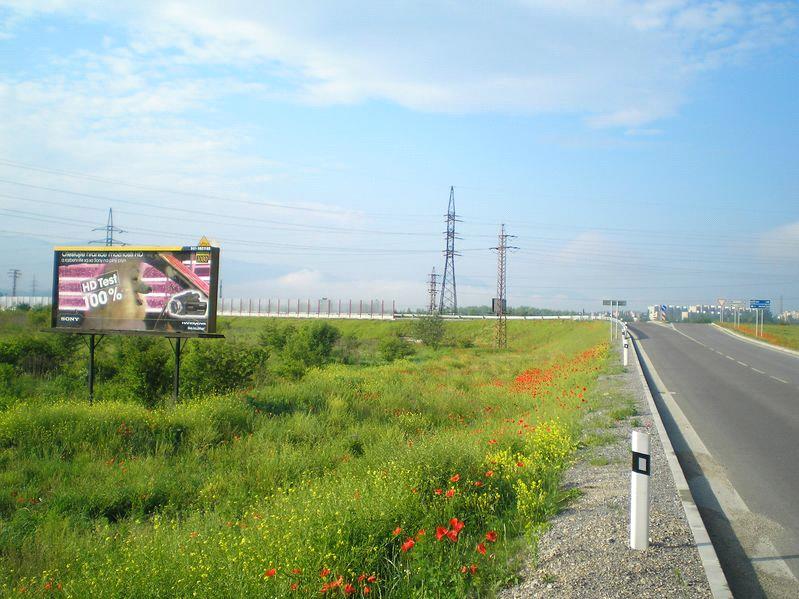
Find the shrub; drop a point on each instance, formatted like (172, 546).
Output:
(347, 350)
(221, 366)
(40, 354)
(275, 335)
(395, 348)
(312, 344)
(430, 329)
(145, 368)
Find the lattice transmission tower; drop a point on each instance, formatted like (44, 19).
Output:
(109, 229)
(432, 292)
(14, 274)
(449, 295)
(500, 302)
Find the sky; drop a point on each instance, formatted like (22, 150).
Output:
(646, 151)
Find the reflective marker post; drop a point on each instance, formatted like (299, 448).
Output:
(639, 492)
(626, 345)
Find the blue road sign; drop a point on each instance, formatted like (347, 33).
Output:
(759, 304)
(663, 308)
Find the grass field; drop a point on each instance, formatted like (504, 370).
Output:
(423, 476)
(778, 334)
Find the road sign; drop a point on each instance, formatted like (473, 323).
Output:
(614, 302)
(606, 302)
(663, 308)
(759, 304)
(721, 302)
(621, 302)
(737, 303)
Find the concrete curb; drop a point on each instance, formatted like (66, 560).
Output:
(771, 346)
(707, 553)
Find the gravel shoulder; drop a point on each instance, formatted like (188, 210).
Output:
(585, 551)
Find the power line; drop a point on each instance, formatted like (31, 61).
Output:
(194, 210)
(182, 192)
(449, 293)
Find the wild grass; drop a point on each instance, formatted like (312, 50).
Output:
(785, 335)
(419, 477)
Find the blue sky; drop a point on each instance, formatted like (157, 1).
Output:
(643, 150)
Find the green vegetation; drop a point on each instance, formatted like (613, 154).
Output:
(785, 335)
(306, 457)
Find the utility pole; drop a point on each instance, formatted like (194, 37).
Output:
(432, 292)
(109, 229)
(500, 307)
(15, 274)
(449, 295)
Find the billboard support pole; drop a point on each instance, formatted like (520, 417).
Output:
(94, 341)
(176, 346)
(91, 368)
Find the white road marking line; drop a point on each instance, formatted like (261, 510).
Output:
(779, 379)
(743, 363)
(756, 370)
(730, 358)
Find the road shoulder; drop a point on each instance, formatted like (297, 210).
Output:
(585, 552)
(771, 346)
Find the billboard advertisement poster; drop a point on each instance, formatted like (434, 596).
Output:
(136, 289)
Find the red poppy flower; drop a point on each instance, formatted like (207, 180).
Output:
(478, 483)
(441, 532)
(349, 589)
(295, 586)
(520, 464)
(450, 492)
(397, 531)
(464, 569)
(490, 473)
(439, 491)
(455, 478)
(270, 573)
(421, 533)
(372, 578)
(362, 577)
(473, 568)
(457, 525)
(481, 549)
(452, 535)
(491, 536)
(366, 590)
(408, 544)
(324, 573)
(296, 571)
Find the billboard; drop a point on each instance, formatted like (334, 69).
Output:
(144, 289)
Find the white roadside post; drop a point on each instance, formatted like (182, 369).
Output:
(626, 344)
(639, 492)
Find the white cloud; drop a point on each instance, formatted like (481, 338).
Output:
(617, 63)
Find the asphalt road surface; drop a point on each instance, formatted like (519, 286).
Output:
(743, 403)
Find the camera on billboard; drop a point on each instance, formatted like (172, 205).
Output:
(188, 304)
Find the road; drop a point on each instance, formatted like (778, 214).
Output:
(743, 403)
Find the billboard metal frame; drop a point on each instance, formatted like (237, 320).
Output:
(177, 339)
